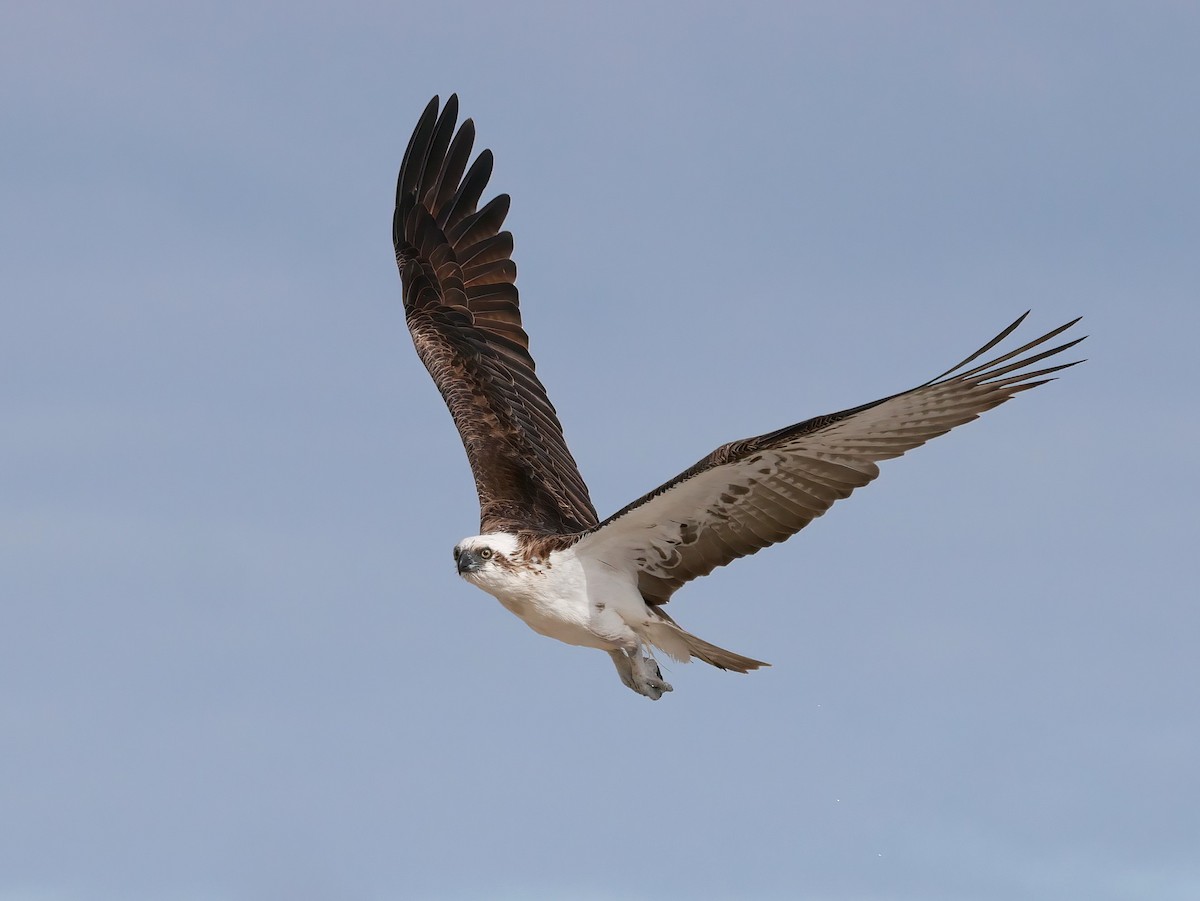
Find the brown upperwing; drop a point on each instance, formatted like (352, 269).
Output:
(461, 305)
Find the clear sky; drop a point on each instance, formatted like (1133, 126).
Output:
(235, 661)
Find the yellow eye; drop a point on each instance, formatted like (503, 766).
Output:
(486, 553)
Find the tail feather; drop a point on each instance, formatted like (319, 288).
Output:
(719, 657)
(682, 645)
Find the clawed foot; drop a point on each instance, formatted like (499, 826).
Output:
(651, 684)
(640, 673)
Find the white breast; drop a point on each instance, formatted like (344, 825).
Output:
(579, 602)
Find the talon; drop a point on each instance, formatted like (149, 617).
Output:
(641, 672)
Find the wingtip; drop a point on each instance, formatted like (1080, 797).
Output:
(435, 101)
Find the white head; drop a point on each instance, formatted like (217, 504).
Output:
(487, 560)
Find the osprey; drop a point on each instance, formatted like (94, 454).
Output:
(542, 551)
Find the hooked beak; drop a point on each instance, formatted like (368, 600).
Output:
(468, 562)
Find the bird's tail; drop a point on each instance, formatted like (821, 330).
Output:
(682, 645)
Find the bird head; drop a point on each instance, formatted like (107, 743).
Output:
(484, 556)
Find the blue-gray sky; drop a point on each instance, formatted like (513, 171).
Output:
(235, 663)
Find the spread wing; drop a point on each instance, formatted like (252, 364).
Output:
(752, 493)
(460, 302)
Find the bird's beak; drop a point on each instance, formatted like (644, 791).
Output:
(468, 563)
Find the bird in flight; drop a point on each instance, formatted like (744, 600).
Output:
(542, 551)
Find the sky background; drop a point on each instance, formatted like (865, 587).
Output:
(235, 661)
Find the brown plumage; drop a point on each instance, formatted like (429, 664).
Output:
(543, 550)
(462, 311)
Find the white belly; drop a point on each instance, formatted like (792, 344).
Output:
(589, 606)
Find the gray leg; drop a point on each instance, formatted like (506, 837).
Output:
(624, 668)
(641, 673)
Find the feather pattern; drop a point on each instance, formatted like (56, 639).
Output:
(752, 493)
(462, 309)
